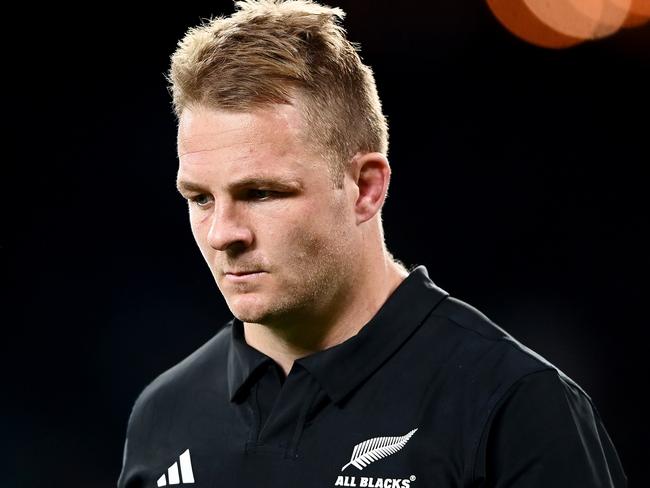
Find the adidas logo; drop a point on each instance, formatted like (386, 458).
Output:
(186, 474)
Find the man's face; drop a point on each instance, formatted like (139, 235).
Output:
(280, 241)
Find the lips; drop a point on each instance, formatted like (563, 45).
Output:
(242, 273)
(243, 276)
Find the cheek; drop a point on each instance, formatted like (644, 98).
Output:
(200, 233)
(197, 232)
(313, 237)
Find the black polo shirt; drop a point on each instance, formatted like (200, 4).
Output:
(430, 393)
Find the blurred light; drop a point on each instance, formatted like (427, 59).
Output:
(641, 7)
(564, 23)
(584, 19)
(518, 19)
(639, 13)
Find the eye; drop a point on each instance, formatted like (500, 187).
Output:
(259, 194)
(199, 200)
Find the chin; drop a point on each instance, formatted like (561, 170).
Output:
(266, 307)
(247, 317)
(248, 310)
(260, 313)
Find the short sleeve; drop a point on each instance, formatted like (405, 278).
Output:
(547, 433)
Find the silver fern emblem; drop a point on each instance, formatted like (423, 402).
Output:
(377, 448)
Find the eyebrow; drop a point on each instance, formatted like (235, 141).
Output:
(280, 183)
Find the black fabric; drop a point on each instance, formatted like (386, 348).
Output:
(547, 430)
(430, 393)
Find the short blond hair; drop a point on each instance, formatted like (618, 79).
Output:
(284, 51)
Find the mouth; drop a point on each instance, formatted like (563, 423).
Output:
(241, 276)
(242, 273)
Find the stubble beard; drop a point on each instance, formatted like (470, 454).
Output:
(311, 291)
(307, 293)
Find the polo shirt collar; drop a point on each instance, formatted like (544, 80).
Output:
(341, 368)
(243, 361)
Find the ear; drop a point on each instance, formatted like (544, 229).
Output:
(371, 174)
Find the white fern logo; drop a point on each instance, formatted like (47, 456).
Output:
(377, 448)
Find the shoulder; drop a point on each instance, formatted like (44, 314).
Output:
(546, 431)
(191, 373)
(492, 349)
(529, 413)
(486, 364)
(167, 398)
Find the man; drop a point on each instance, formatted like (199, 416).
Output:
(340, 367)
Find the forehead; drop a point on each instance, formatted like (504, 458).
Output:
(229, 142)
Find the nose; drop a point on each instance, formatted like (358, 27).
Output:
(228, 229)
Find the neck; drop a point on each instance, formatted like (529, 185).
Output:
(358, 305)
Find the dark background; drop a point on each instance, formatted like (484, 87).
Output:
(518, 180)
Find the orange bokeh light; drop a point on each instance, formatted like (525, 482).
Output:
(518, 19)
(584, 19)
(641, 7)
(639, 13)
(565, 23)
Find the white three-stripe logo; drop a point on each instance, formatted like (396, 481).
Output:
(186, 474)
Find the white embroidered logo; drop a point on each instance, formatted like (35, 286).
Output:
(186, 475)
(376, 448)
